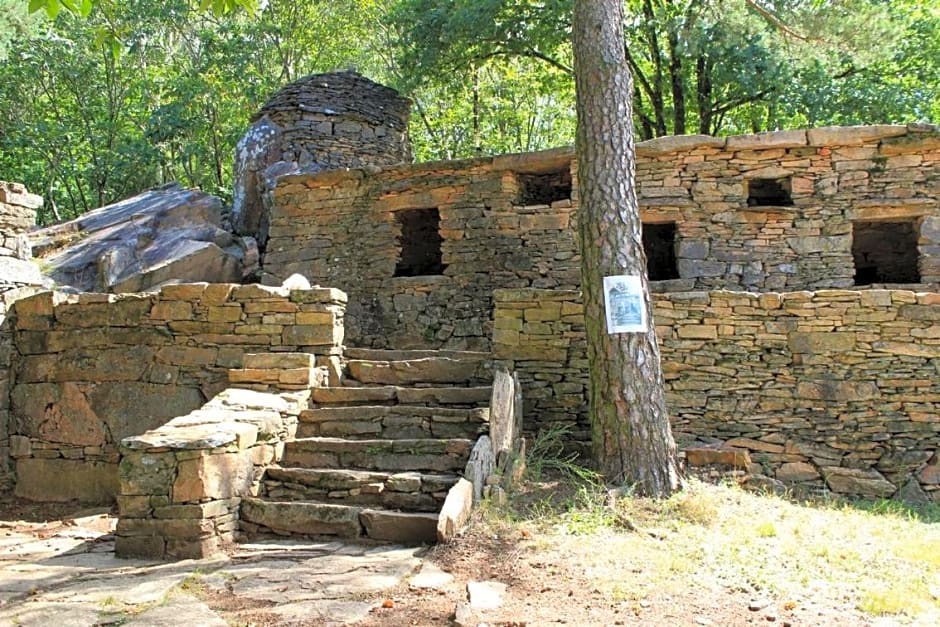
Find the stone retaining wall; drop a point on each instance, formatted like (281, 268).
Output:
(769, 212)
(181, 484)
(19, 278)
(833, 389)
(91, 369)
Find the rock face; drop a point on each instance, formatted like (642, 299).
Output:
(319, 122)
(165, 235)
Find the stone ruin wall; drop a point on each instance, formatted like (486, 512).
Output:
(91, 369)
(833, 389)
(340, 228)
(19, 277)
(345, 228)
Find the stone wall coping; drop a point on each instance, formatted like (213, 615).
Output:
(46, 301)
(17, 194)
(554, 159)
(234, 416)
(540, 295)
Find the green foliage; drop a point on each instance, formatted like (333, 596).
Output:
(110, 98)
(705, 66)
(83, 8)
(102, 105)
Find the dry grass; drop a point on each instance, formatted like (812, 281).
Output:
(882, 559)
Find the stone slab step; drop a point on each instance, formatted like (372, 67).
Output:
(346, 521)
(393, 422)
(380, 354)
(412, 491)
(304, 518)
(474, 396)
(425, 370)
(400, 527)
(438, 455)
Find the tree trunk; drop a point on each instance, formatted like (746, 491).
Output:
(632, 440)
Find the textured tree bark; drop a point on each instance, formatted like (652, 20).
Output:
(632, 440)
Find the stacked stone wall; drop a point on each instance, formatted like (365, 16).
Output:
(181, 484)
(91, 369)
(833, 389)
(19, 278)
(339, 228)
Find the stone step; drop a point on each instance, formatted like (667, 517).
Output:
(411, 491)
(345, 521)
(475, 396)
(380, 354)
(437, 455)
(393, 422)
(434, 369)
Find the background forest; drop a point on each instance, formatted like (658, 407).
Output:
(137, 93)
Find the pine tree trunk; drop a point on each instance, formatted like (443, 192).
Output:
(632, 441)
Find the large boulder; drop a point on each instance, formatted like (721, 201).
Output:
(165, 235)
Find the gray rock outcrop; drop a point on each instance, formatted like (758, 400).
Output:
(165, 235)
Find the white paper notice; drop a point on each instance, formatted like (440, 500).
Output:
(623, 301)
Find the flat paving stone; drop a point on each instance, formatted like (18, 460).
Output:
(179, 609)
(430, 577)
(486, 595)
(73, 579)
(43, 614)
(323, 612)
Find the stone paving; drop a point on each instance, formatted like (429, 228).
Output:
(69, 576)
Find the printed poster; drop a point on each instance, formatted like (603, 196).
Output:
(623, 301)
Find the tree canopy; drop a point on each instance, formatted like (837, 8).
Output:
(109, 98)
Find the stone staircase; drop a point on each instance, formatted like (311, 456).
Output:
(377, 451)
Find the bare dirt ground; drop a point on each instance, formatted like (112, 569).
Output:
(548, 586)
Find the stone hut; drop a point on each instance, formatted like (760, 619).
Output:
(318, 122)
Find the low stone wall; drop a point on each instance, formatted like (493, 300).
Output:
(19, 278)
(92, 369)
(181, 484)
(832, 389)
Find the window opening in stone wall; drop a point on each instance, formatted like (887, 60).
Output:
(420, 243)
(544, 189)
(885, 252)
(769, 193)
(659, 244)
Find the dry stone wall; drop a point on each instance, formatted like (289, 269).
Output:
(91, 369)
(344, 228)
(769, 212)
(19, 278)
(833, 389)
(181, 484)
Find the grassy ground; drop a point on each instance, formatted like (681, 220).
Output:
(880, 559)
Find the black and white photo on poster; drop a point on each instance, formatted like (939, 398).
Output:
(623, 301)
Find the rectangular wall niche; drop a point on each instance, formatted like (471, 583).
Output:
(885, 252)
(769, 193)
(544, 189)
(420, 243)
(659, 244)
